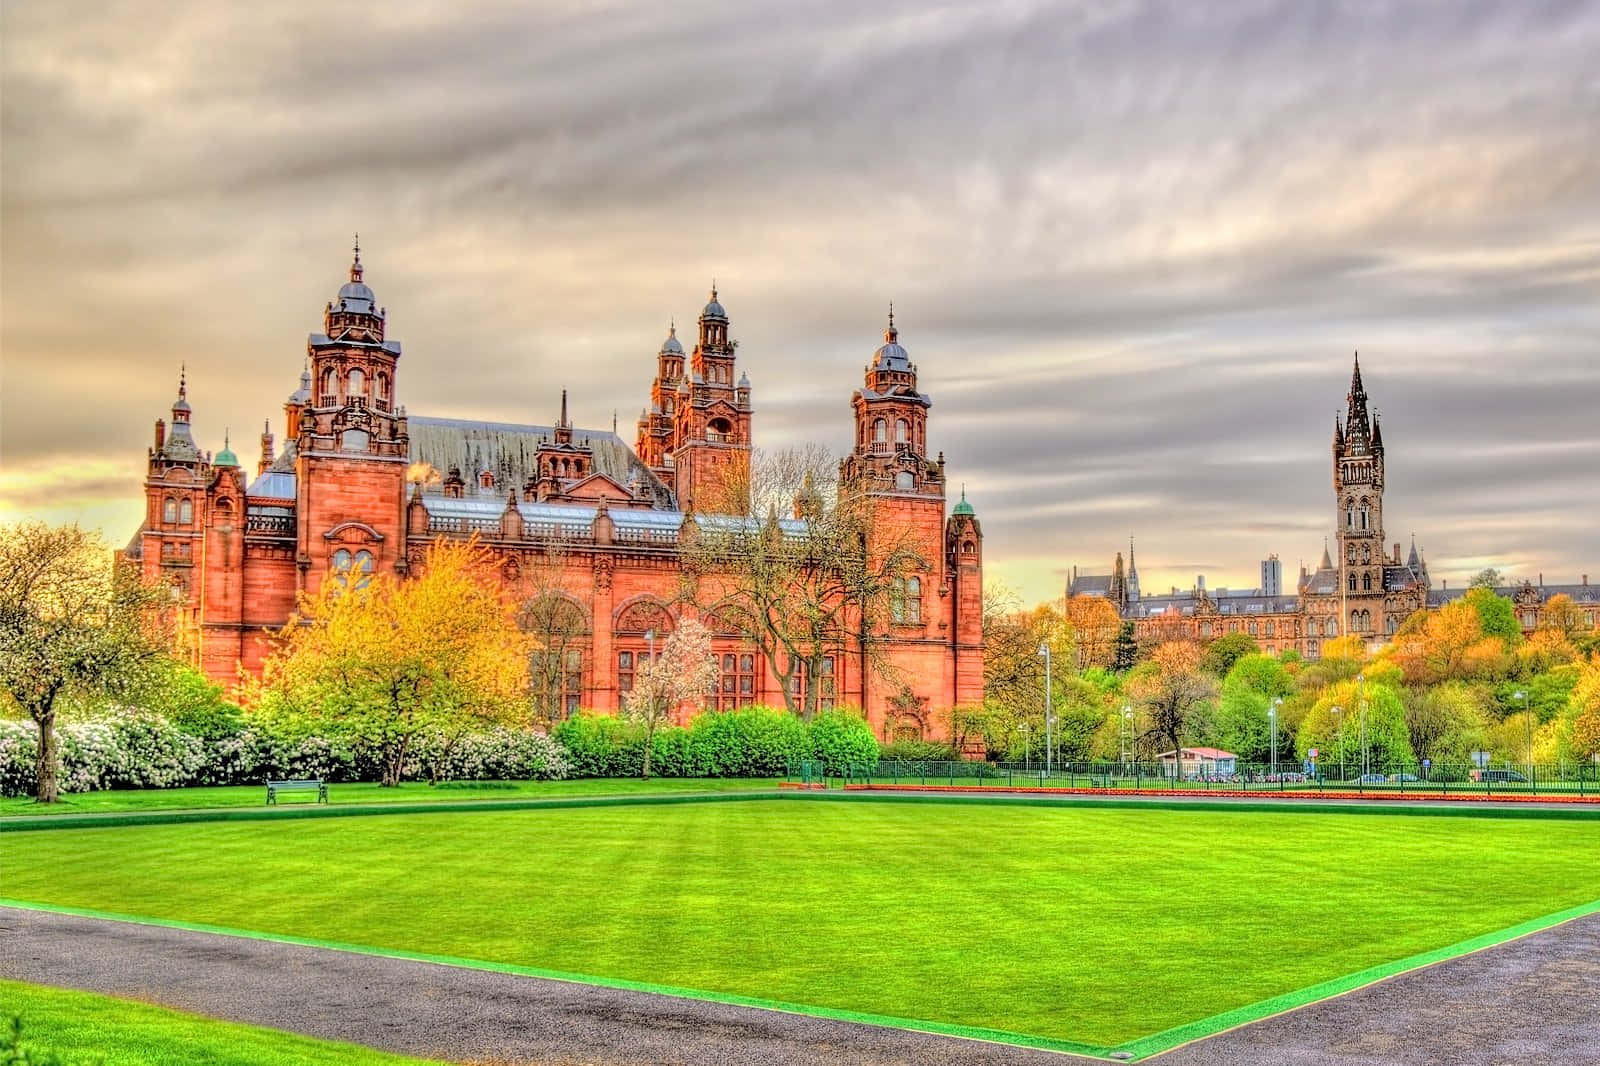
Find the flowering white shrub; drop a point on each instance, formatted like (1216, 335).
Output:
(138, 749)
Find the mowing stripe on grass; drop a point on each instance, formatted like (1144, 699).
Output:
(1188, 1033)
(29, 823)
(883, 1021)
(1141, 1048)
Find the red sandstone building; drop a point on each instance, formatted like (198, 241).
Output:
(363, 487)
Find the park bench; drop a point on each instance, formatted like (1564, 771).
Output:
(275, 787)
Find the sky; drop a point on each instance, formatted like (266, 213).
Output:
(1131, 247)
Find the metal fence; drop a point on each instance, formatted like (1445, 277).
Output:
(1452, 779)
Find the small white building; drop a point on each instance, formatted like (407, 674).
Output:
(1197, 762)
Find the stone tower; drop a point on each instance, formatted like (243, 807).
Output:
(1358, 494)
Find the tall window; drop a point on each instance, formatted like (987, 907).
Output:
(169, 510)
(1333, 627)
(825, 684)
(358, 383)
(1351, 582)
(1366, 582)
(186, 512)
(905, 600)
(902, 431)
(380, 386)
(736, 683)
(880, 431)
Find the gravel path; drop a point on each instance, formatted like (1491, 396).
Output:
(1535, 999)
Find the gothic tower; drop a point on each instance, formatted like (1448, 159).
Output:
(1358, 492)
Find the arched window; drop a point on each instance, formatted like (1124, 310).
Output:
(169, 510)
(352, 569)
(1391, 625)
(357, 383)
(1366, 582)
(1349, 553)
(485, 479)
(1313, 629)
(1350, 518)
(1333, 627)
(185, 512)
(380, 386)
(330, 387)
(1366, 514)
(913, 599)
(880, 431)
(968, 547)
(1351, 582)
(902, 431)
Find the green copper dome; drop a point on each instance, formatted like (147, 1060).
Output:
(225, 457)
(964, 508)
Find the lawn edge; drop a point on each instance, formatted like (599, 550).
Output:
(253, 1027)
(881, 1021)
(1190, 1032)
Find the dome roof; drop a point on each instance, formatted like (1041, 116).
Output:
(714, 309)
(890, 356)
(964, 508)
(671, 345)
(356, 296)
(225, 457)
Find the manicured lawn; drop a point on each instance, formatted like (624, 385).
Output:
(341, 794)
(81, 1027)
(1089, 925)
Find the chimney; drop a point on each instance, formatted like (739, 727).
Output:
(1541, 579)
(161, 434)
(1585, 579)
(1397, 553)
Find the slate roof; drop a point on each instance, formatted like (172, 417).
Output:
(1584, 594)
(509, 451)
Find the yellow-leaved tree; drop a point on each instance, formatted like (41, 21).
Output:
(390, 660)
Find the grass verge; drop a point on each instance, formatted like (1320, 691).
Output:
(81, 1027)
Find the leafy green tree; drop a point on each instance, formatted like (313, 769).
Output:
(1584, 711)
(1222, 653)
(1496, 615)
(1487, 578)
(191, 701)
(1241, 724)
(72, 625)
(1388, 745)
(1445, 722)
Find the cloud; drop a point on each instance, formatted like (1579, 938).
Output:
(1132, 245)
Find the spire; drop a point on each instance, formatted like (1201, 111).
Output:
(1327, 560)
(355, 265)
(1377, 432)
(1356, 423)
(891, 335)
(180, 406)
(1133, 569)
(563, 407)
(564, 426)
(1412, 560)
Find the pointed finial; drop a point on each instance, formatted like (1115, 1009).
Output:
(672, 326)
(183, 380)
(963, 490)
(891, 314)
(355, 264)
(613, 420)
(713, 288)
(563, 407)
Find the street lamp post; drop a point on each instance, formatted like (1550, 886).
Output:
(1049, 738)
(1522, 696)
(1272, 721)
(1361, 702)
(1027, 750)
(1338, 716)
(1125, 740)
(650, 642)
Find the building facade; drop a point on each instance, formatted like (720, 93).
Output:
(361, 486)
(1361, 586)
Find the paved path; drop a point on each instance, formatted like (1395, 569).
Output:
(1537, 999)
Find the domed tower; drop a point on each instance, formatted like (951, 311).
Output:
(964, 560)
(890, 453)
(708, 452)
(351, 443)
(654, 441)
(176, 476)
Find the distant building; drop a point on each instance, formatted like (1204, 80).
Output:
(1271, 576)
(1362, 589)
(1198, 762)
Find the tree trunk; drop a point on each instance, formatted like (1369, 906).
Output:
(394, 765)
(46, 768)
(649, 743)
